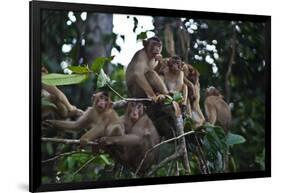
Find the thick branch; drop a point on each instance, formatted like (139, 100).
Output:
(182, 143)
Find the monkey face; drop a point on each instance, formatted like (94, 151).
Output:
(153, 47)
(175, 65)
(135, 110)
(101, 102)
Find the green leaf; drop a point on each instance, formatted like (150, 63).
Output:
(55, 79)
(168, 100)
(79, 69)
(99, 63)
(141, 36)
(178, 97)
(46, 103)
(104, 158)
(232, 139)
(103, 79)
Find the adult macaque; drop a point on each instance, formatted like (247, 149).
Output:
(140, 135)
(191, 79)
(100, 119)
(63, 107)
(217, 110)
(141, 78)
(173, 77)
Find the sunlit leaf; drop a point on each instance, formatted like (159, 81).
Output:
(178, 97)
(79, 69)
(100, 62)
(103, 79)
(55, 79)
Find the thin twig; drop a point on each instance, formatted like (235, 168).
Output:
(174, 156)
(66, 141)
(89, 161)
(64, 154)
(159, 144)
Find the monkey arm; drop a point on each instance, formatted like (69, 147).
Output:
(124, 140)
(59, 95)
(188, 83)
(144, 84)
(81, 122)
(185, 94)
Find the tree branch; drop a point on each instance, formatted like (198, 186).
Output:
(124, 101)
(66, 141)
(64, 154)
(159, 144)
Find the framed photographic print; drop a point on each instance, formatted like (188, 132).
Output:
(125, 96)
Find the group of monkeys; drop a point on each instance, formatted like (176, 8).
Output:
(129, 137)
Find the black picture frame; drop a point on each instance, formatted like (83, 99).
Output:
(35, 8)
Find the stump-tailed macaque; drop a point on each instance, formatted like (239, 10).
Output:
(173, 77)
(63, 107)
(191, 79)
(140, 135)
(100, 119)
(141, 78)
(217, 110)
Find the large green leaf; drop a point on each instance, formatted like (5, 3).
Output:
(63, 79)
(99, 63)
(232, 139)
(79, 69)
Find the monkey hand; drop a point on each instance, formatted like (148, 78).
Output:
(159, 57)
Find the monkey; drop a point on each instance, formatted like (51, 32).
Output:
(173, 77)
(100, 119)
(217, 110)
(63, 107)
(140, 135)
(141, 78)
(191, 79)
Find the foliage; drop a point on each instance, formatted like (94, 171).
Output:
(209, 50)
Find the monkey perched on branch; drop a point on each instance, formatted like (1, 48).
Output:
(100, 119)
(140, 135)
(217, 110)
(173, 77)
(141, 78)
(191, 79)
